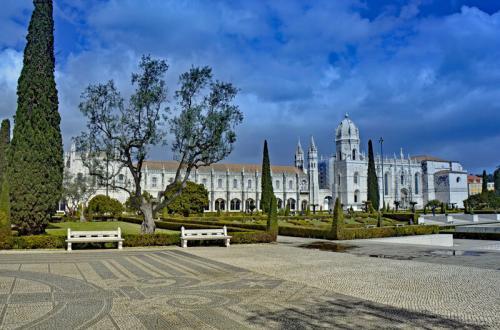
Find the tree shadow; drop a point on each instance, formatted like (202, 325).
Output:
(350, 313)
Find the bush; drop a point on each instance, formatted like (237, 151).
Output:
(193, 199)
(39, 242)
(102, 205)
(378, 232)
(402, 216)
(151, 240)
(5, 231)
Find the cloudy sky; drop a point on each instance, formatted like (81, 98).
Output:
(425, 74)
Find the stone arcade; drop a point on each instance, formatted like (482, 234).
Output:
(313, 182)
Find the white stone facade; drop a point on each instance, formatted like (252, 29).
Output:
(234, 187)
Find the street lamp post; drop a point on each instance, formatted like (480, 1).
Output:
(381, 141)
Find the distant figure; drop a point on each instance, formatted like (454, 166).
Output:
(433, 211)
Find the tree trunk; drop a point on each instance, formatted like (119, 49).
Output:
(148, 224)
(82, 215)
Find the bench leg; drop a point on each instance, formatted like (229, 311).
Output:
(227, 242)
(120, 245)
(69, 246)
(184, 243)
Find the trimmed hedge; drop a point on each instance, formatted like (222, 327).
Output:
(379, 232)
(151, 240)
(39, 242)
(486, 236)
(360, 233)
(402, 216)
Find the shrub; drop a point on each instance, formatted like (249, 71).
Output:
(193, 199)
(39, 242)
(408, 217)
(338, 219)
(102, 205)
(361, 233)
(272, 220)
(151, 240)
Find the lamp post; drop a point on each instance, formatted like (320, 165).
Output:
(381, 141)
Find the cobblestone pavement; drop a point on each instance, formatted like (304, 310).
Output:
(174, 288)
(435, 284)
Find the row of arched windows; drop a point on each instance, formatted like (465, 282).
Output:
(235, 204)
(220, 184)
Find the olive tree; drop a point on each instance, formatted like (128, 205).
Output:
(76, 192)
(120, 134)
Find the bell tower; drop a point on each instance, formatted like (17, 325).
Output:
(347, 140)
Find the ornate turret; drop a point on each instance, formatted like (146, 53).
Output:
(299, 157)
(312, 172)
(347, 140)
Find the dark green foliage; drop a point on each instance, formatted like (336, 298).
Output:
(496, 180)
(4, 145)
(151, 240)
(488, 200)
(338, 220)
(192, 200)
(104, 205)
(4, 185)
(443, 208)
(362, 233)
(266, 181)
(36, 153)
(379, 220)
(485, 183)
(5, 232)
(373, 193)
(272, 220)
(402, 216)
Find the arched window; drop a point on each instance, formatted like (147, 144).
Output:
(204, 182)
(290, 184)
(235, 183)
(219, 183)
(416, 184)
(220, 205)
(338, 179)
(353, 154)
(304, 185)
(386, 184)
(170, 180)
(291, 203)
(249, 184)
(277, 184)
(355, 177)
(250, 204)
(235, 204)
(154, 182)
(280, 203)
(402, 178)
(356, 196)
(121, 177)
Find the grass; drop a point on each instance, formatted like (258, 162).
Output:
(61, 228)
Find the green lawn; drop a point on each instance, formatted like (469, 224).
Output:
(61, 228)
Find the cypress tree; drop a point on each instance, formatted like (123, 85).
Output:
(266, 181)
(36, 153)
(484, 189)
(272, 219)
(338, 221)
(496, 179)
(5, 232)
(4, 144)
(373, 193)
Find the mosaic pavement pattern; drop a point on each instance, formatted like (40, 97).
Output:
(173, 289)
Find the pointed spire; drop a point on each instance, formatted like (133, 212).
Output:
(312, 147)
(346, 115)
(299, 148)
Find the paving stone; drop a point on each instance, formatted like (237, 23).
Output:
(284, 287)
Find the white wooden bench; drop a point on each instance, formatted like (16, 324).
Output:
(370, 226)
(95, 237)
(204, 234)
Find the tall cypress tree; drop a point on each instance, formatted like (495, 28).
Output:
(373, 193)
(4, 188)
(266, 181)
(485, 183)
(4, 144)
(338, 221)
(36, 153)
(496, 180)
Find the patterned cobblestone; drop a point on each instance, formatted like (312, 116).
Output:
(253, 286)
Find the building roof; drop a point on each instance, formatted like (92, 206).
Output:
(422, 158)
(474, 179)
(220, 167)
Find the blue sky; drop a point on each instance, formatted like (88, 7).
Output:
(425, 74)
